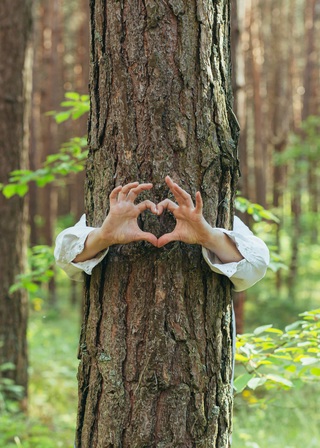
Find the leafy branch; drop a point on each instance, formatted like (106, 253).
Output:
(273, 357)
(70, 159)
(40, 262)
(257, 211)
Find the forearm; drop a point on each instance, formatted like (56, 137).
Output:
(220, 244)
(94, 244)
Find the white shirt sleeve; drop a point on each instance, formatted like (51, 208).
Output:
(242, 274)
(69, 244)
(252, 267)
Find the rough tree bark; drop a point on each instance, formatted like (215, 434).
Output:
(156, 341)
(14, 64)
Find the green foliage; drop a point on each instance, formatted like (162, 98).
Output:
(257, 212)
(9, 391)
(290, 420)
(75, 106)
(275, 358)
(260, 214)
(50, 423)
(304, 145)
(40, 262)
(70, 159)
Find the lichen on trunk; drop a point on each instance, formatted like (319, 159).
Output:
(156, 340)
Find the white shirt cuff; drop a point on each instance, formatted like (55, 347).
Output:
(248, 271)
(69, 244)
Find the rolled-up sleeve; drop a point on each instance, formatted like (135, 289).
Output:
(69, 244)
(254, 264)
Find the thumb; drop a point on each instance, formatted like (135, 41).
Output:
(149, 237)
(167, 238)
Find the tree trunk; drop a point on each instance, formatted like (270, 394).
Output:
(260, 166)
(15, 61)
(311, 105)
(156, 342)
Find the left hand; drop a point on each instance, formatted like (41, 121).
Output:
(191, 227)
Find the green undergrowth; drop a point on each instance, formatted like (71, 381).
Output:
(53, 342)
(281, 419)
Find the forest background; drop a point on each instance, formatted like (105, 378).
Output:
(277, 95)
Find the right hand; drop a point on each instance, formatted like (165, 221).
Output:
(120, 226)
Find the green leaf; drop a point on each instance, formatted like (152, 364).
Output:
(68, 104)
(266, 214)
(279, 379)
(261, 329)
(253, 383)
(31, 286)
(72, 96)
(274, 330)
(42, 181)
(62, 116)
(79, 112)
(241, 358)
(9, 190)
(7, 366)
(292, 368)
(241, 382)
(15, 287)
(309, 361)
(22, 189)
(315, 371)
(294, 325)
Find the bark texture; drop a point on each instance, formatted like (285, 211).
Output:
(14, 65)
(156, 341)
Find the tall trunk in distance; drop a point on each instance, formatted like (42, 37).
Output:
(156, 341)
(280, 107)
(238, 15)
(15, 66)
(238, 40)
(309, 85)
(311, 104)
(255, 48)
(80, 126)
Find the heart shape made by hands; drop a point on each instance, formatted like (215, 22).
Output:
(158, 225)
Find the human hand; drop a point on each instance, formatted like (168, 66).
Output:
(191, 227)
(120, 226)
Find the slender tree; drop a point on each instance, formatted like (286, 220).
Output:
(238, 13)
(156, 341)
(15, 17)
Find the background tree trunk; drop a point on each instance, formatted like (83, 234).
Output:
(156, 342)
(15, 64)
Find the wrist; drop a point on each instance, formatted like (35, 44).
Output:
(102, 238)
(94, 244)
(207, 235)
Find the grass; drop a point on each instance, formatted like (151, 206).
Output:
(292, 420)
(53, 343)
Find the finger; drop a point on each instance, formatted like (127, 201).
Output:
(125, 190)
(167, 238)
(114, 194)
(134, 192)
(182, 197)
(167, 204)
(199, 202)
(146, 236)
(147, 205)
